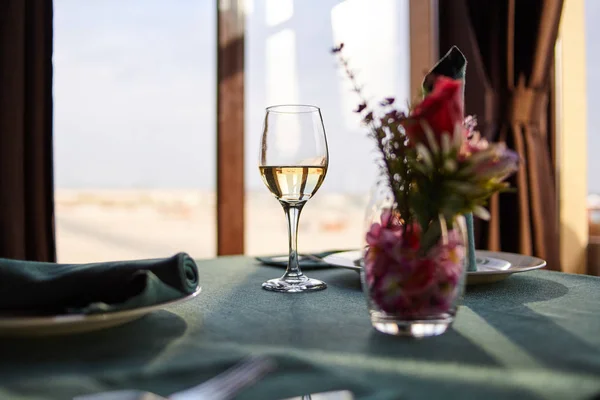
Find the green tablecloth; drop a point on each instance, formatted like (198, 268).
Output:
(535, 335)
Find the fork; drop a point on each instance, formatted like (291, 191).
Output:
(222, 387)
(225, 385)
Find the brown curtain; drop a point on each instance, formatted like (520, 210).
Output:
(509, 46)
(26, 184)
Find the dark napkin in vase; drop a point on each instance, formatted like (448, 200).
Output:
(304, 261)
(38, 288)
(454, 66)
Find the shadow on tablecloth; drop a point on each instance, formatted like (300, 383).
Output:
(538, 315)
(134, 344)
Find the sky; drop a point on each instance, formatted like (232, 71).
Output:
(134, 93)
(134, 86)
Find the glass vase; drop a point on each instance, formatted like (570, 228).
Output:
(413, 278)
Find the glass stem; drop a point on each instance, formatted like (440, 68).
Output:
(292, 212)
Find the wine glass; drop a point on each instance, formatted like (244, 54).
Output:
(293, 163)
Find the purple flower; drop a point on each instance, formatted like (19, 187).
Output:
(504, 163)
(360, 108)
(489, 161)
(388, 101)
(337, 49)
(404, 282)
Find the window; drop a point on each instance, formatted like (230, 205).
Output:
(288, 61)
(134, 128)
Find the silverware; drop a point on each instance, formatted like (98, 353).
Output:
(335, 395)
(303, 256)
(311, 257)
(222, 387)
(225, 385)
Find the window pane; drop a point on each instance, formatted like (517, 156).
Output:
(288, 60)
(134, 128)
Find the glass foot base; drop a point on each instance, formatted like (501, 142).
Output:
(412, 328)
(298, 285)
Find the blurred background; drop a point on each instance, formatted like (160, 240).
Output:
(135, 130)
(135, 125)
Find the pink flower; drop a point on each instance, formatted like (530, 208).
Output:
(473, 145)
(374, 234)
(420, 278)
(390, 219)
(404, 282)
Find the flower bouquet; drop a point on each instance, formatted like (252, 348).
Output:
(435, 168)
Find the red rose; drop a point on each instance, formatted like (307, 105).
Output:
(442, 110)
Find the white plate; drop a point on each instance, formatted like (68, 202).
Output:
(492, 266)
(78, 323)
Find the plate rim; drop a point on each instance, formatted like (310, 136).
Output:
(540, 263)
(17, 322)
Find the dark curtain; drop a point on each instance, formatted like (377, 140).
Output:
(509, 46)
(26, 183)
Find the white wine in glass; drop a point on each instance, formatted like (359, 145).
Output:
(293, 164)
(297, 183)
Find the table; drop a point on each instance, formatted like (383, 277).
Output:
(535, 335)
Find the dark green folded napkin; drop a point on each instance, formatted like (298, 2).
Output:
(38, 288)
(306, 262)
(454, 66)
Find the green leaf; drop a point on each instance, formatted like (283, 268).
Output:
(431, 235)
